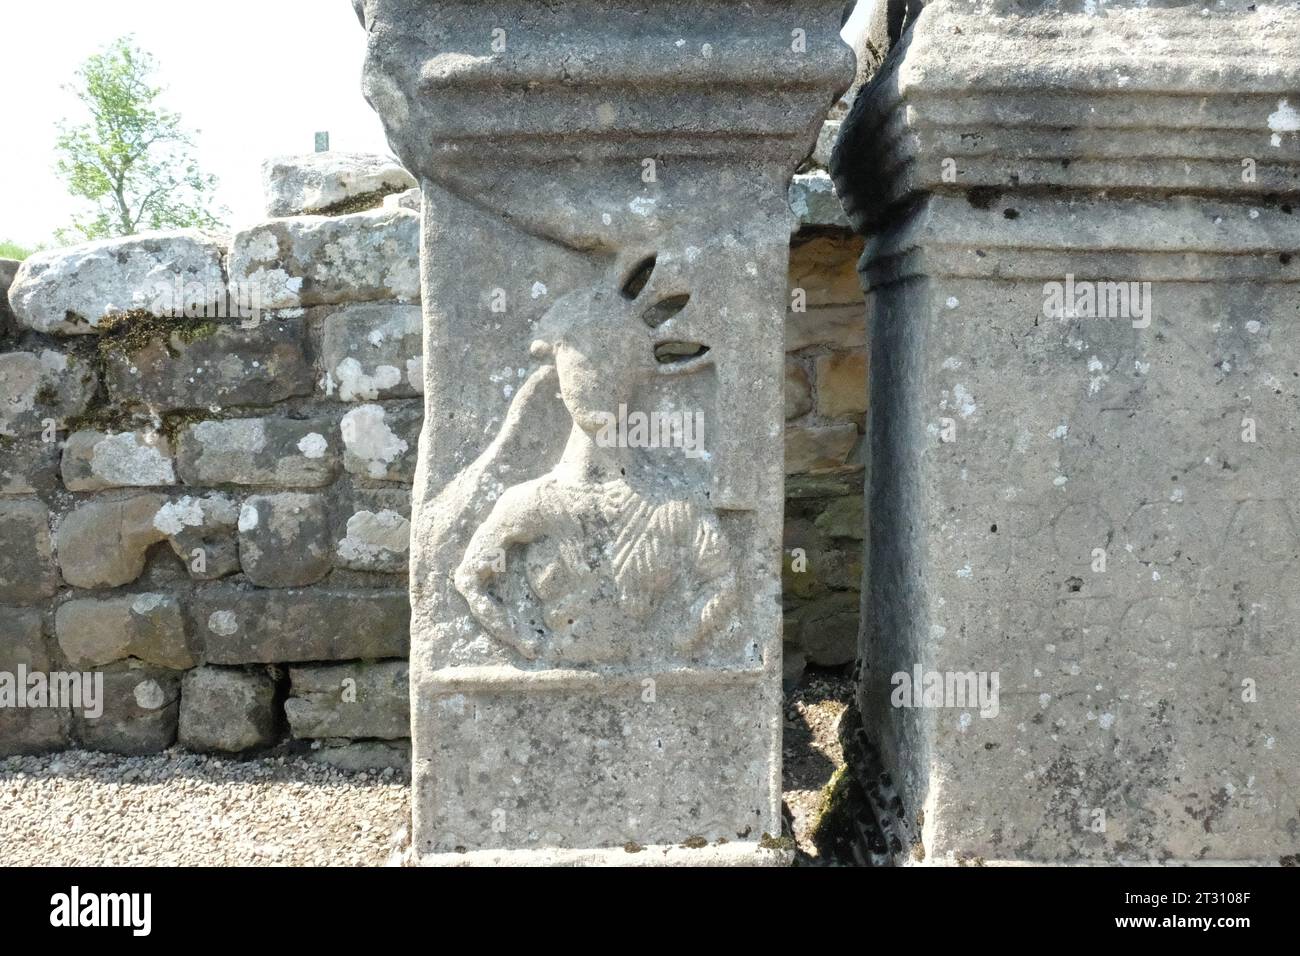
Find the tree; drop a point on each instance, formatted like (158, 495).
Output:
(133, 160)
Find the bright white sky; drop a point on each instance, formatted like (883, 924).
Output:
(256, 78)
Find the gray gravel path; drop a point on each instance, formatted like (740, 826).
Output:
(183, 809)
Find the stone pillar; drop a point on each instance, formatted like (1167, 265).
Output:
(595, 659)
(1084, 324)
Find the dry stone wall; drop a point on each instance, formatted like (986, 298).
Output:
(207, 446)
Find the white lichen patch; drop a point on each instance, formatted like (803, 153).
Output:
(313, 445)
(131, 459)
(375, 537)
(368, 438)
(223, 622)
(355, 384)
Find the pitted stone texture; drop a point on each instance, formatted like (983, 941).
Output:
(284, 539)
(545, 306)
(40, 386)
(227, 710)
(282, 452)
(220, 364)
(946, 118)
(319, 183)
(22, 645)
(373, 351)
(363, 700)
(149, 627)
(27, 570)
(380, 441)
(141, 703)
(102, 544)
(93, 460)
(71, 291)
(202, 533)
(242, 626)
(28, 466)
(318, 261)
(374, 531)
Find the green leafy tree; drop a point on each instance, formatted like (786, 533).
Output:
(132, 160)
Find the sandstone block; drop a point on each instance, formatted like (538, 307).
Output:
(93, 460)
(350, 700)
(71, 291)
(148, 627)
(214, 364)
(141, 704)
(227, 710)
(374, 350)
(27, 570)
(284, 539)
(314, 260)
(40, 386)
(380, 441)
(259, 451)
(102, 544)
(321, 183)
(245, 626)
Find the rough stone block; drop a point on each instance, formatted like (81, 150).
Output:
(373, 350)
(313, 260)
(102, 544)
(202, 533)
(284, 452)
(213, 365)
(328, 183)
(93, 460)
(28, 466)
(72, 290)
(842, 384)
(149, 627)
(244, 626)
(27, 570)
(36, 387)
(22, 645)
(350, 700)
(284, 539)
(813, 201)
(814, 448)
(227, 710)
(828, 629)
(836, 326)
(380, 441)
(825, 267)
(140, 711)
(376, 535)
(798, 391)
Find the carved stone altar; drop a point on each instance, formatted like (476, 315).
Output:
(596, 644)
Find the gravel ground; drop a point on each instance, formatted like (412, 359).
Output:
(183, 809)
(811, 746)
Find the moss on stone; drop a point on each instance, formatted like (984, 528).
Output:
(125, 333)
